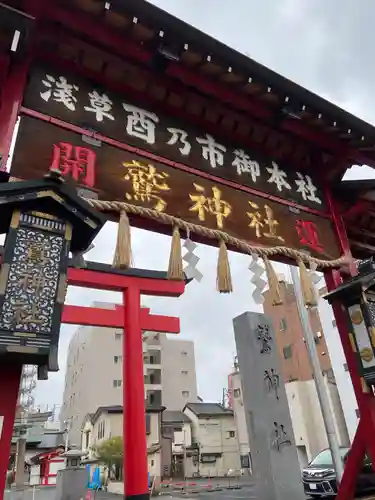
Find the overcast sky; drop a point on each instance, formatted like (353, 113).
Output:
(324, 46)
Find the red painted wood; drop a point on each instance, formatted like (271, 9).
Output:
(357, 209)
(114, 318)
(134, 423)
(365, 436)
(340, 228)
(352, 466)
(180, 166)
(325, 142)
(117, 282)
(11, 99)
(10, 377)
(83, 24)
(126, 48)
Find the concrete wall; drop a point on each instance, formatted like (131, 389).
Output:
(213, 436)
(239, 413)
(182, 438)
(178, 374)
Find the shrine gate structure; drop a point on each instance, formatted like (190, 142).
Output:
(153, 121)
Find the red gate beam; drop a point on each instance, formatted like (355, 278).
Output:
(114, 318)
(105, 277)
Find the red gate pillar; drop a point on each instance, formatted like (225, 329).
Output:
(11, 99)
(134, 422)
(10, 377)
(365, 435)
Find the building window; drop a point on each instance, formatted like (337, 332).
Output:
(334, 324)
(101, 430)
(237, 393)
(183, 353)
(287, 351)
(231, 434)
(117, 383)
(316, 340)
(184, 372)
(346, 367)
(185, 394)
(118, 336)
(283, 324)
(87, 442)
(357, 413)
(117, 359)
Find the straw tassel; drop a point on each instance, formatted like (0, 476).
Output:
(123, 256)
(307, 287)
(273, 283)
(224, 277)
(175, 268)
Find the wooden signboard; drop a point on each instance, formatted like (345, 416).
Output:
(80, 102)
(115, 174)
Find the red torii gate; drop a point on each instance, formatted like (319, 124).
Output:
(133, 319)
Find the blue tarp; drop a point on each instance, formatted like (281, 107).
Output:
(93, 483)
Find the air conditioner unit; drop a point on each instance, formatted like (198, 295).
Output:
(319, 335)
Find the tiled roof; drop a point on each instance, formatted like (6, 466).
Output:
(208, 409)
(119, 409)
(172, 416)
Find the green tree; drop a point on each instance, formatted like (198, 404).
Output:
(111, 453)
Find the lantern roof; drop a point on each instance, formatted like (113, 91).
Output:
(53, 196)
(351, 290)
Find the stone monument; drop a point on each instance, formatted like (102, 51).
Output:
(71, 482)
(274, 459)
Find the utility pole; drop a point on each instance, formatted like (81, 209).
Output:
(318, 375)
(67, 429)
(185, 459)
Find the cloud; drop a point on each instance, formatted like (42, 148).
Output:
(324, 46)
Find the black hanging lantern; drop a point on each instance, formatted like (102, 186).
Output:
(357, 296)
(43, 220)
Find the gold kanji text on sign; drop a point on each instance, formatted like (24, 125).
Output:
(32, 280)
(36, 253)
(265, 225)
(147, 184)
(26, 313)
(214, 205)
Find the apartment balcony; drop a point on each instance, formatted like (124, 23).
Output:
(152, 377)
(153, 387)
(153, 396)
(151, 340)
(152, 357)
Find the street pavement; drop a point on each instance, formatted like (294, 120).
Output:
(48, 493)
(246, 492)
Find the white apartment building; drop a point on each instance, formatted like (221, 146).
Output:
(94, 373)
(307, 420)
(339, 366)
